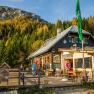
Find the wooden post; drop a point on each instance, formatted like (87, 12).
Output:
(38, 77)
(19, 78)
(23, 78)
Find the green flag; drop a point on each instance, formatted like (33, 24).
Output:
(79, 20)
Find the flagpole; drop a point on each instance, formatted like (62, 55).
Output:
(83, 66)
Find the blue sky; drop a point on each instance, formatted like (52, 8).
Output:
(52, 10)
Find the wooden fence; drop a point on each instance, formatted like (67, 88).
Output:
(17, 77)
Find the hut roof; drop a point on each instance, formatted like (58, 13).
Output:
(52, 41)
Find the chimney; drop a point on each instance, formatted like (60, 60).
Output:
(58, 31)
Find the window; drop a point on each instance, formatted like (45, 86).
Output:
(70, 39)
(80, 41)
(56, 61)
(87, 61)
(78, 63)
(57, 65)
(73, 40)
(56, 58)
(86, 40)
(77, 39)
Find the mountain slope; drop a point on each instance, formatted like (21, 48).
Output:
(9, 13)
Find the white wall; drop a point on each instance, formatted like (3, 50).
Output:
(93, 62)
(80, 55)
(62, 61)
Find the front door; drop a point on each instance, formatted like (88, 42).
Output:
(68, 66)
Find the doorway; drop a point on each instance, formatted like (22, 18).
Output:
(68, 67)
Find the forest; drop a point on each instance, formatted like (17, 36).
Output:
(21, 36)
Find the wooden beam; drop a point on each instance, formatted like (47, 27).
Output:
(67, 50)
(73, 50)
